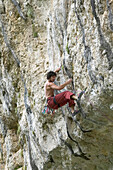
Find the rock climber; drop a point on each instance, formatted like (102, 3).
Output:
(62, 98)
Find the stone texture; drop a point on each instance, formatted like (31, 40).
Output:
(77, 35)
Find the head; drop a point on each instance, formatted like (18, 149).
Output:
(51, 76)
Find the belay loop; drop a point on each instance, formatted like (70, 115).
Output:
(48, 110)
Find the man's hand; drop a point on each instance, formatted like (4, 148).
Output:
(111, 2)
(57, 70)
(69, 81)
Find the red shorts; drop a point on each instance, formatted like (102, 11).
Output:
(62, 99)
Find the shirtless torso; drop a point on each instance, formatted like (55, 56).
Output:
(50, 86)
(48, 90)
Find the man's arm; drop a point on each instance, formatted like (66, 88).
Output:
(55, 87)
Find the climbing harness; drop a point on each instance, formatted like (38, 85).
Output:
(54, 100)
(48, 110)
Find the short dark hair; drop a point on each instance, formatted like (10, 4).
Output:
(50, 74)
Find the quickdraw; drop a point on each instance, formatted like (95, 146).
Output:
(48, 110)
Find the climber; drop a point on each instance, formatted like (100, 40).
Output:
(62, 98)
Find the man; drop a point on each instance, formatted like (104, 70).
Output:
(62, 98)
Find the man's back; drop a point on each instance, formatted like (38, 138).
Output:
(48, 90)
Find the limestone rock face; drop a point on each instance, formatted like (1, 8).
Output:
(36, 37)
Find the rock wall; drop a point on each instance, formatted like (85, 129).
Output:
(35, 37)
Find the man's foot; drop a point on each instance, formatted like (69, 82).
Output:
(75, 112)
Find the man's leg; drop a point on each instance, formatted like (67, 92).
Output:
(72, 108)
(74, 97)
(62, 99)
(65, 97)
(71, 105)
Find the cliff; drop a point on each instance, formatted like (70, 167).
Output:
(38, 36)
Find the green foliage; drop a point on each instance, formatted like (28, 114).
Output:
(35, 33)
(16, 110)
(29, 92)
(21, 153)
(72, 67)
(62, 67)
(67, 48)
(19, 95)
(34, 103)
(58, 45)
(19, 166)
(34, 133)
(30, 13)
(18, 130)
(22, 140)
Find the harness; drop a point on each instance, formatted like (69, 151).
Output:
(48, 110)
(54, 100)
